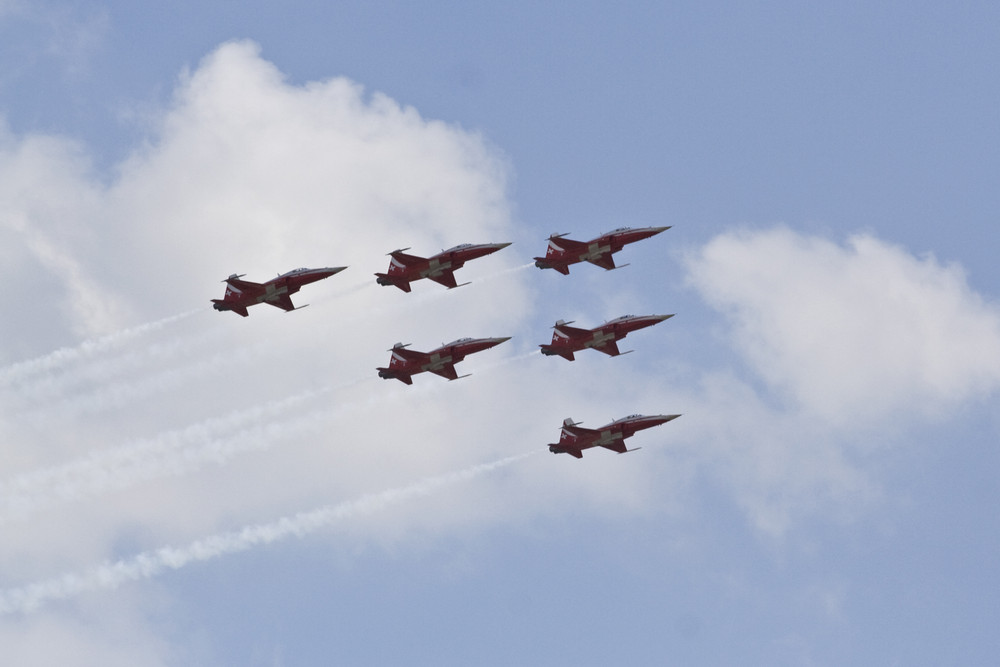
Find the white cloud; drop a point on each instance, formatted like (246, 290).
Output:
(851, 334)
(248, 173)
(113, 632)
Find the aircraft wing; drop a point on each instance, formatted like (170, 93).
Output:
(446, 278)
(579, 431)
(610, 348)
(244, 285)
(404, 258)
(448, 371)
(574, 332)
(569, 245)
(605, 261)
(618, 446)
(411, 355)
(284, 302)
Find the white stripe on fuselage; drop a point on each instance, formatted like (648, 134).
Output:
(436, 362)
(271, 292)
(595, 250)
(435, 267)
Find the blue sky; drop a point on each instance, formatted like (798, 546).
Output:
(827, 498)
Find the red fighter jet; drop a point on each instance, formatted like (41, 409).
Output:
(566, 339)
(574, 439)
(440, 268)
(562, 251)
(404, 364)
(240, 294)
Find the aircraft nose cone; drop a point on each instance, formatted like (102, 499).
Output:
(663, 317)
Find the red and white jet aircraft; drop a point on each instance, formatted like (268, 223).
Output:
(404, 364)
(240, 294)
(573, 439)
(566, 339)
(562, 251)
(440, 268)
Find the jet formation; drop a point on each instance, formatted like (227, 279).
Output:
(404, 268)
(404, 364)
(241, 294)
(562, 251)
(566, 339)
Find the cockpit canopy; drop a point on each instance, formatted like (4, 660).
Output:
(458, 341)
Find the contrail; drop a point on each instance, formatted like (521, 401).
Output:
(171, 453)
(52, 386)
(504, 272)
(119, 394)
(177, 452)
(24, 369)
(146, 565)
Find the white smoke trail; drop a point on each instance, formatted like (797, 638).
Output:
(171, 453)
(506, 272)
(510, 360)
(25, 369)
(189, 449)
(53, 386)
(149, 564)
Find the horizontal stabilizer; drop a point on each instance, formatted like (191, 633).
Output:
(385, 279)
(543, 263)
(550, 350)
(575, 452)
(222, 305)
(389, 374)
